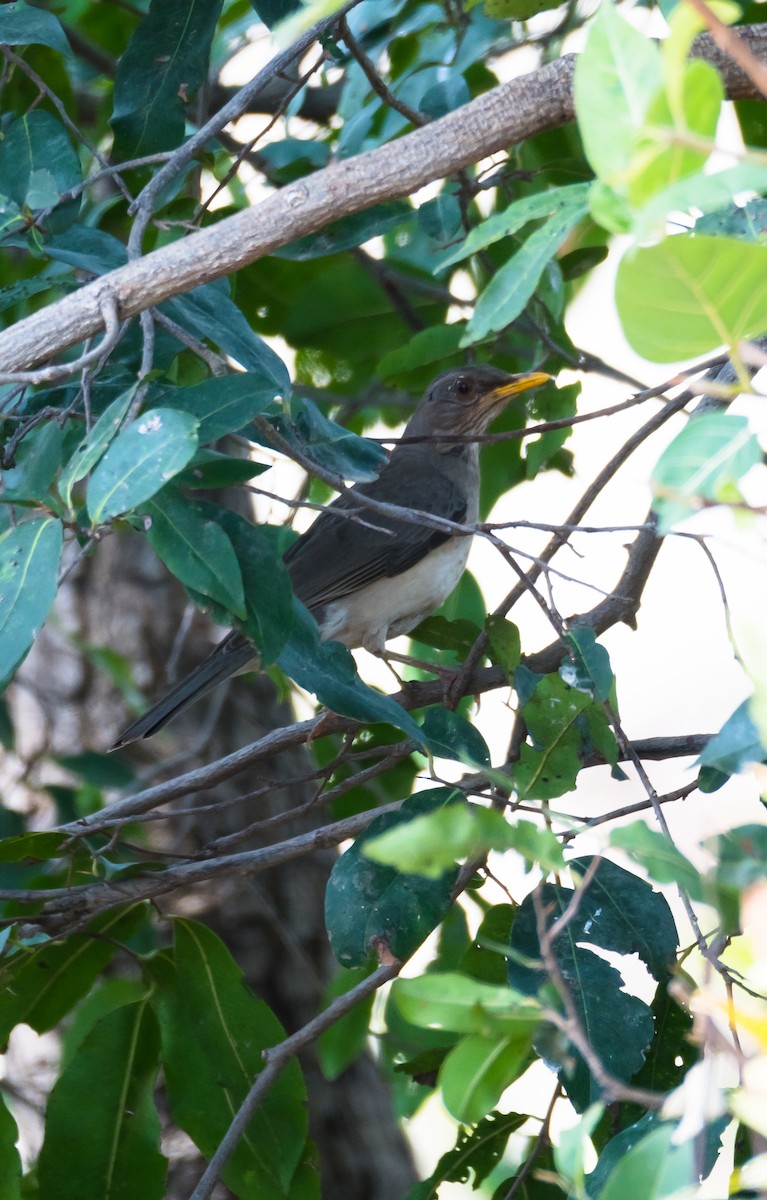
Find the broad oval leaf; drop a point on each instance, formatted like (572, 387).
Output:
(688, 295)
(23, 25)
(94, 444)
(224, 404)
(480, 1068)
(370, 907)
(140, 461)
(29, 563)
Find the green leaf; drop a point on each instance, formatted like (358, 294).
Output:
(272, 12)
(736, 745)
(328, 670)
(209, 470)
(164, 64)
(269, 607)
(195, 548)
(223, 404)
(44, 983)
(513, 284)
(447, 1000)
(550, 766)
(141, 459)
(209, 313)
(40, 846)
(369, 906)
(549, 205)
(38, 164)
(349, 231)
(94, 444)
(705, 460)
(478, 1070)
(653, 1169)
(659, 857)
(441, 218)
(449, 735)
(214, 1031)
(589, 668)
(329, 444)
(430, 844)
(441, 633)
(37, 460)
(617, 912)
(688, 295)
(23, 25)
(102, 1131)
(346, 1039)
(505, 644)
(484, 959)
(434, 345)
(475, 1154)
(10, 1160)
(29, 561)
(617, 75)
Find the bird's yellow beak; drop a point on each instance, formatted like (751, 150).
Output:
(515, 385)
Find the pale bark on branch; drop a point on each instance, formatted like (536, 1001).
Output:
(502, 117)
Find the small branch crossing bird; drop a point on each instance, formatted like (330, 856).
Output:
(365, 584)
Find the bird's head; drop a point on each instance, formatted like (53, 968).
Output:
(463, 402)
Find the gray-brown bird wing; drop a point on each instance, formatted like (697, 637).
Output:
(338, 554)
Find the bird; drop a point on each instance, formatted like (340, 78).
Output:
(365, 581)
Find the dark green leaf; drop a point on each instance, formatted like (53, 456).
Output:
(476, 1153)
(45, 983)
(484, 959)
(214, 1031)
(443, 634)
(209, 313)
(10, 1160)
(589, 668)
(102, 1132)
(441, 218)
(449, 735)
(195, 548)
(100, 770)
(747, 221)
(29, 563)
(37, 460)
(350, 231)
(165, 62)
(23, 25)
(272, 12)
(328, 670)
(210, 470)
(269, 616)
(347, 1038)
(329, 444)
(224, 404)
(445, 96)
(617, 912)
(368, 906)
(141, 459)
(38, 164)
(92, 250)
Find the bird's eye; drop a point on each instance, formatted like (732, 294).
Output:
(463, 387)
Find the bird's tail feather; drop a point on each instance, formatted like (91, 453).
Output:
(222, 663)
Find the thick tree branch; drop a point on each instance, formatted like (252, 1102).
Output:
(501, 117)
